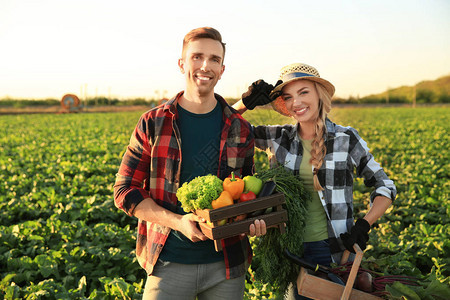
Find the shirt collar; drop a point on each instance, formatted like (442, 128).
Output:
(331, 130)
(171, 104)
(293, 134)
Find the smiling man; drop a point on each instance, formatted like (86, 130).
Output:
(202, 65)
(196, 133)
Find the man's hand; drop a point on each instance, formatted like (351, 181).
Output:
(189, 227)
(258, 228)
(259, 93)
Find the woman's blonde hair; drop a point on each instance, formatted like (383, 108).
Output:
(319, 149)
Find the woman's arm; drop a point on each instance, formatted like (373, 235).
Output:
(379, 206)
(369, 169)
(258, 93)
(240, 107)
(359, 233)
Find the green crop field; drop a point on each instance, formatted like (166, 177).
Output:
(61, 236)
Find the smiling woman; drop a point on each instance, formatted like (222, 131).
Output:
(325, 156)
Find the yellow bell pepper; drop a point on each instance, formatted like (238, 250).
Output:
(234, 185)
(224, 199)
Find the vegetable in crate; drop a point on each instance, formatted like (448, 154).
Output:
(247, 196)
(199, 192)
(252, 184)
(244, 198)
(224, 199)
(234, 185)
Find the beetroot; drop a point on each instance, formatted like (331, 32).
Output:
(364, 282)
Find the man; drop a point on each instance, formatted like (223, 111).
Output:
(195, 133)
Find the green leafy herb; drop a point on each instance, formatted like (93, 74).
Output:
(270, 265)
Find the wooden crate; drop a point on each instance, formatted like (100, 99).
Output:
(314, 287)
(276, 218)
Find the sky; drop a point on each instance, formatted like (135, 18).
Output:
(129, 49)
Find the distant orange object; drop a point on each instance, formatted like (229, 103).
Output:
(70, 102)
(163, 100)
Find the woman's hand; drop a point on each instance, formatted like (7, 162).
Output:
(259, 93)
(358, 234)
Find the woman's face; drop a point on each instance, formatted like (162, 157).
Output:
(301, 100)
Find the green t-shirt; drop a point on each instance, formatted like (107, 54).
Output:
(200, 147)
(316, 220)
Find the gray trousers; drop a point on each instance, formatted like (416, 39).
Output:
(203, 281)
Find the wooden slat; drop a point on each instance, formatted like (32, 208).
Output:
(322, 289)
(277, 218)
(345, 257)
(236, 228)
(353, 272)
(246, 207)
(275, 200)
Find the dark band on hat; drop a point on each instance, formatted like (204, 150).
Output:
(296, 75)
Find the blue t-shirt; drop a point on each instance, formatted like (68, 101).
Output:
(200, 148)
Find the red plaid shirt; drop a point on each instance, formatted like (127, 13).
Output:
(151, 168)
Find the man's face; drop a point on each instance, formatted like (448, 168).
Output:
(202, 65)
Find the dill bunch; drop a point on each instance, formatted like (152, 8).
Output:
(270, 265)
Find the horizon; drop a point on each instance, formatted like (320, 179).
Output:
(81, 97)
(125, 51)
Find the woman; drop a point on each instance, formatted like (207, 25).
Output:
(324, 155)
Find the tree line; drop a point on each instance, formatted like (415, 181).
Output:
(425, 92)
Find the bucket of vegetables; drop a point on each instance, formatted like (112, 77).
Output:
(229, 206)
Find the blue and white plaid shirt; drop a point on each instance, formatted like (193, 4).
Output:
(346, 151)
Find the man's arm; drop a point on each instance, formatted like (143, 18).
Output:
(150, 211)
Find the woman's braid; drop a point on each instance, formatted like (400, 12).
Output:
(319, 149)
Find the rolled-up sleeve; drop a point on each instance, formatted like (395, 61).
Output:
(369, 169)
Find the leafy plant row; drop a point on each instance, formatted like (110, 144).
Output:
(61, 236)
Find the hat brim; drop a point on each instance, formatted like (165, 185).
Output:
(326, 84)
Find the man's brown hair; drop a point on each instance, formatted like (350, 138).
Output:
(203, 33)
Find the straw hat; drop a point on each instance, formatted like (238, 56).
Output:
(294, 72)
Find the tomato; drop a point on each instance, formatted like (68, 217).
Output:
(247, 196)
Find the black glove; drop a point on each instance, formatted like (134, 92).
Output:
(359, 234)
(259, 93)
